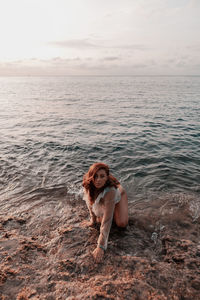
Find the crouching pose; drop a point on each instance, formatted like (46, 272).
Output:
(106, 199)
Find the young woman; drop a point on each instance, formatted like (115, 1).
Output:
(106, 199)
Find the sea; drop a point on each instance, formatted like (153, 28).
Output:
(146, 128)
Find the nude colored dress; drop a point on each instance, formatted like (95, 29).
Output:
(98, 209)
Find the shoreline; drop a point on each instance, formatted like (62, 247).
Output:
(46, 253)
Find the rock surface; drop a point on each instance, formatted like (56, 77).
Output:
(45, 253)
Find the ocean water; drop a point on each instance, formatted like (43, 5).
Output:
(147, 129)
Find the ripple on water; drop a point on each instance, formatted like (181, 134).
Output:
(146, 129)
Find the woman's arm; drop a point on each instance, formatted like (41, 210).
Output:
(92, 215)
(109, 206)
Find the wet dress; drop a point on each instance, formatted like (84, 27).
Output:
(100, 210)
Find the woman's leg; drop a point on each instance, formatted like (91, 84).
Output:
(121, 209)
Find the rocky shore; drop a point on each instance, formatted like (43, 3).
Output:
(45, 252)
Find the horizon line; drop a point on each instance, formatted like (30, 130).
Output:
(104, 75)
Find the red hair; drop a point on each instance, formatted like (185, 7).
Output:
(88, 179)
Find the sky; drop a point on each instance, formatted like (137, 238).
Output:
(99, 37)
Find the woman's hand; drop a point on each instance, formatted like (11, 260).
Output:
(86, 223)
(98, 254)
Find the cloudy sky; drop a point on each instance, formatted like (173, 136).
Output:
(99, 37)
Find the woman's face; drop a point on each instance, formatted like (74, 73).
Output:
(100, 178)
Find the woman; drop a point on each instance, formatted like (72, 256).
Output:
(106, 199)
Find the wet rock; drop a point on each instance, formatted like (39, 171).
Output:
(156, 257)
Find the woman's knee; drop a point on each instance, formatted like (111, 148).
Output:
(122, 223)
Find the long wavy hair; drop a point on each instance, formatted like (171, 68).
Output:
(88, 179)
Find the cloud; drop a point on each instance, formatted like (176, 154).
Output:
(60, 60)
(75, 43)
(111, 58)
(107, 65)
(58, 66)
(93, 44)
(132, 47)
(193, 47)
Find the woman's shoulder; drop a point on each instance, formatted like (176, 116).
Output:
(116, 192)
(108, 189)
(111, 190)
